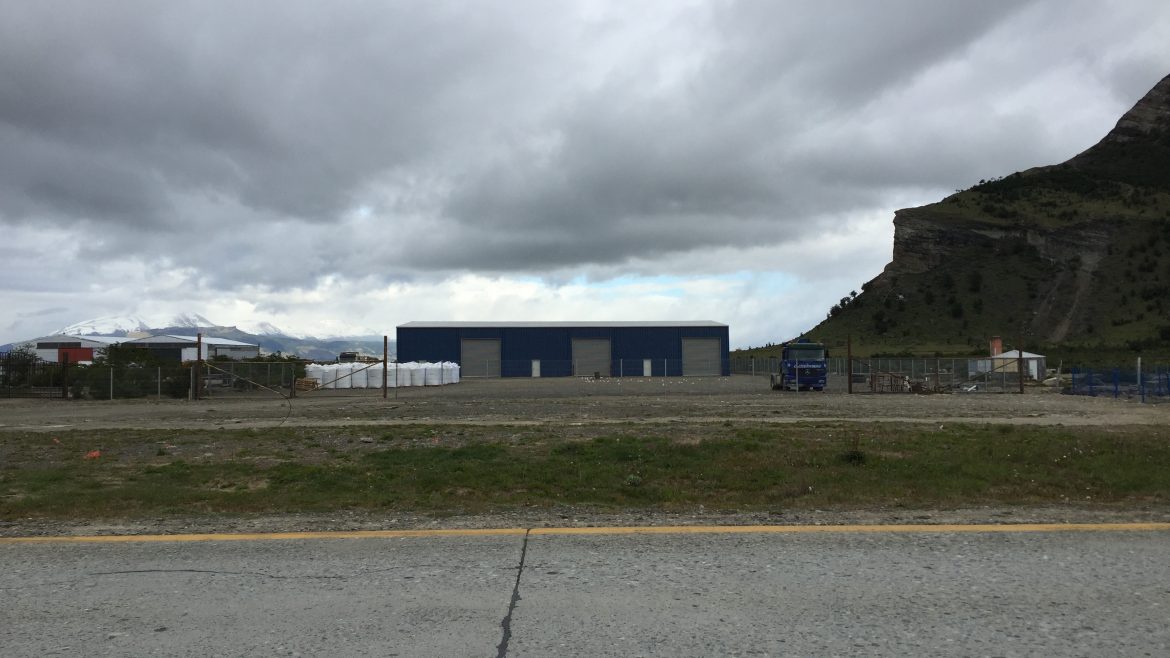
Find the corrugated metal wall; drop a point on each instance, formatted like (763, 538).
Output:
(480, 357)
(700, 357)
(592, 356)
(552, 346)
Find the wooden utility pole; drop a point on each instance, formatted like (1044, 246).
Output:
(849, 361)
(198, 363)
(1020, 365)
(385, 363)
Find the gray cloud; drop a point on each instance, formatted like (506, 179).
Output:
(277, 144)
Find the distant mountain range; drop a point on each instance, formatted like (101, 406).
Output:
(270, 338)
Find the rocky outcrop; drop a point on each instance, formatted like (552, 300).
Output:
(1061, 241)
(922, 243)
(1150, 116)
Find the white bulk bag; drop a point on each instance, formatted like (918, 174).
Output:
(361, 374)
(328, 374)
(433, 374)
(403, 373)
(450, 372)
(372, 375)
(418, 375)
(314, 371)
(344, 375)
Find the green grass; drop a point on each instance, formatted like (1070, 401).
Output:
(738, 467)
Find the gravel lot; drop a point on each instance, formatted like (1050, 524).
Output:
(689, 402)
(525, 401)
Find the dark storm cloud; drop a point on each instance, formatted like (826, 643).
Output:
(844, 54)
(636, 171)
(277, 143)
(284, 106)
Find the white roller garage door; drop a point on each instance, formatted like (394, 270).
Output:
(591, 355)
(701, 356)
(479, 358)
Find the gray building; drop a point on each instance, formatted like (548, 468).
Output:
(184, 348)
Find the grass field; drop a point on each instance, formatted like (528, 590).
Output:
(455, 469)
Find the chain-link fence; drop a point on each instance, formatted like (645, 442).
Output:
(914, 375)
(899, 375)
(25, 377)
(223, 377)
(1145, 382)
(595, 368)
(21, 376)
(766, 366)
(33, 378)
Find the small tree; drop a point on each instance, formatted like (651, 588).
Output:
(16, 367)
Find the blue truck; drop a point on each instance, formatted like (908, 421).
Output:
(804, 366)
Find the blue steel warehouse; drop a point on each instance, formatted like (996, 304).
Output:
(563, 349)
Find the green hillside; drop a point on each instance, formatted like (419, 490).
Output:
(1072, 258)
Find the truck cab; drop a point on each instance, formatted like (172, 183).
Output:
(804, 366)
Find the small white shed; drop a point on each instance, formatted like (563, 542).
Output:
(1035, 365)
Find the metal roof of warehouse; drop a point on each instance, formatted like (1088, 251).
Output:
(207, 340)
(497, 325)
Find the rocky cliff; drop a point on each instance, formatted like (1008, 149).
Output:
(1072, 253)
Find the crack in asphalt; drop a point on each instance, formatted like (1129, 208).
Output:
(506, 624)
(401, 567)
(216, 573)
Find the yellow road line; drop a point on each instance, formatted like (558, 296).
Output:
(636, 530)
(261, 536)
(842, 529)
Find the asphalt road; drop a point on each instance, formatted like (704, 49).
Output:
(931, 592)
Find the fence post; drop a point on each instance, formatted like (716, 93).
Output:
(1020, 366)
(111, 383)
(64, 376)
(849, 361)
(158, 381)
(198, 362)
(1141, 381)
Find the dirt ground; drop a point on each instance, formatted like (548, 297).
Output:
(572, 400)
(686, 403)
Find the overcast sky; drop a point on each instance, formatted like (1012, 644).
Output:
(344, 167)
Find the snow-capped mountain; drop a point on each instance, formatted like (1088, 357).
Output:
(269, 337)
(193, 320)
(266, 329)
(111, 325)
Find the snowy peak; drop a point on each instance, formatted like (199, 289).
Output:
(111, 325)
(266, 329)
(193, 321)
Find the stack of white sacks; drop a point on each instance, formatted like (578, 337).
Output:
(369, 375)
